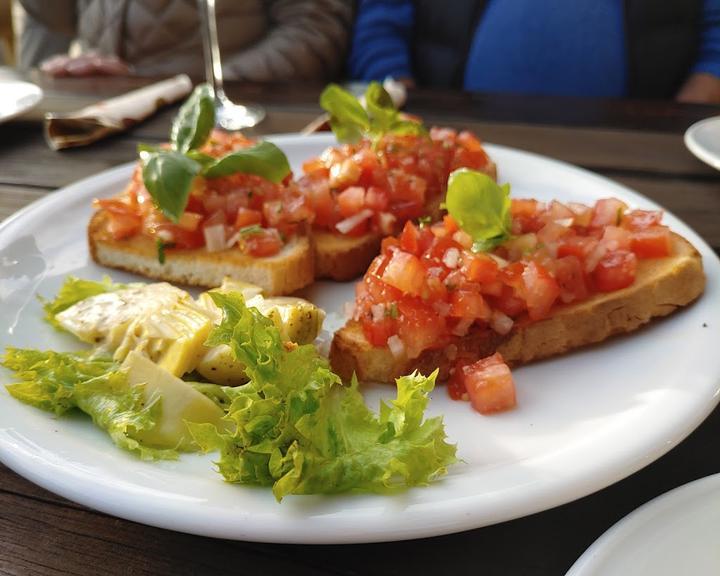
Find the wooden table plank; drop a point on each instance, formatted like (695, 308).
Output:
(12, 198)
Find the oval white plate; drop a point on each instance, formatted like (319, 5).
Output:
(703, 140)
(676, 533)
(17, 97)
(584, 420)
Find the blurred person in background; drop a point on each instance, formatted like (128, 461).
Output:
(603, 48)
(260, 40)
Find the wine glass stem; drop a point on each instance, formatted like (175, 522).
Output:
(211, 48)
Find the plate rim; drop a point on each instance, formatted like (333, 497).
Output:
(592, 481)
(607, 543)
(701, 153)
(35, 91)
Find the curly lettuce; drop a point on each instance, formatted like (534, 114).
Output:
(58, 382)
(295, 427)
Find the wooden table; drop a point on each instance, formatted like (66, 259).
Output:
(636, 143)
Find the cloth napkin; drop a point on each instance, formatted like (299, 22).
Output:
(114, 115)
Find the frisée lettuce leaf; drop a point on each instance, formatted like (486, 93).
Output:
(295, 427)
(58, 382)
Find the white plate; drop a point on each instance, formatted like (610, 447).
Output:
(676, 533)
(703, 140)
(17, 97)
(583, 422)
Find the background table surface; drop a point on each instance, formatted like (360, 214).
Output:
(636, 143)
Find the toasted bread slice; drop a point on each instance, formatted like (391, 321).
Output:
(662, 285)
(283, 273)
(342, 258)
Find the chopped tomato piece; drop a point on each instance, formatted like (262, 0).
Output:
(571, 279)
(616, 270)
(490, 385)
(541, 290)
(181, 238)
(406, 273)
(351, 201)
(247, 217)
(123, 226)
(652, 242)
(410, 238)
(608, 211)
(377, 333)
(468, 304)
(377, 199)
(420, 327)
(266, 242)
(641, 219)
(579, 246)
(480, 268)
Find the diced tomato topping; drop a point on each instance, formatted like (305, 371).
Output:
(377, 333)
(266, 242)
(480, 268)
(469, 304)
(351, 201)
(247, 217)
(123, 226)
(490, 385)
(180, 238)
(579, 246)
(571, 279)
(642, 219)
(652, 242)
(541, 290)
(608, 211)
(420, 327)
(406, 273)
(377, 199)
(616, 270)
(410, 238)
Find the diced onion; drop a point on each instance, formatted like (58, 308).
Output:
(344, 226)
(387, 222)
(214, 237)
(565, 222)
(501, 262)
(451, 257)
(397, 348)
(349, 309)
(234, 239)
(501, 323)
(594, 257)
(378, 312)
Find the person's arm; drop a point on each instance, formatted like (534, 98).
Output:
(381, 40)
(46, 29)
(703, 84)
(307, 41)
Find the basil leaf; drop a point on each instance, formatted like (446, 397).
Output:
(408, 127)
(168, 176)
(263, 159)
(194, 121)
(480, 206)
(348, 119)
(380, 107)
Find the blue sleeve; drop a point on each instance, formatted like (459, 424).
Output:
(709, 54)
(381, 40)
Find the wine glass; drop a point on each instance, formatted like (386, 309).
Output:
(229, 115)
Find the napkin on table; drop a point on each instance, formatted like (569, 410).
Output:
(114, 115)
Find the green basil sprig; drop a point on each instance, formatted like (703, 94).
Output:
(168, 174)
(351, 121)
(194, 121)
(480, 206)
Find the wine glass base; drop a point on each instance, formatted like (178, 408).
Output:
(236, 116)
